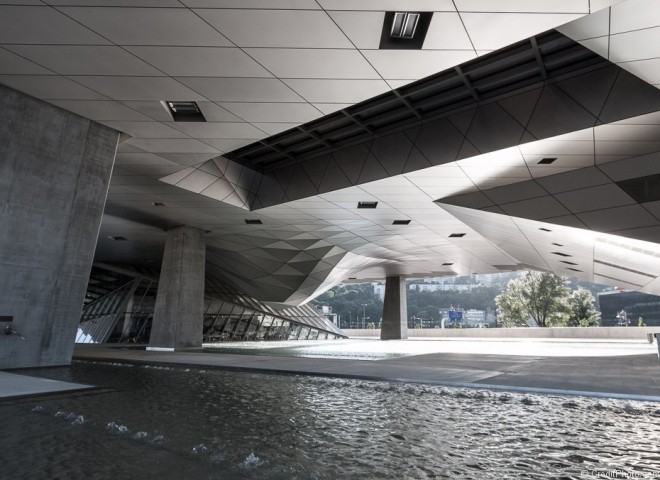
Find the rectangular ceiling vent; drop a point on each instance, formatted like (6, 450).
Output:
(546, 161)
(446, 264)
(456, 235)
(184, 111)
(573, 269)
(367, 204)
(561, 254)
(401, 222)
(567, 262)
(252, 221)
(545, 229)
(557, 244)
(404, 30)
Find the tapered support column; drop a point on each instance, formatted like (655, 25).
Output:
(395, 310)
(55, 169)
(179, 311)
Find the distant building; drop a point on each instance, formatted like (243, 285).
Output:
(635, 304)
(326, 311)
(379, 289)
(435, 287)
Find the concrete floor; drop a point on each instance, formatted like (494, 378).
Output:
(615, 370)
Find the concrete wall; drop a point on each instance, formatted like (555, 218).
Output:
(614, 333)
(55, 169)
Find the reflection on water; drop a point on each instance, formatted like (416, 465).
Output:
(163, 422)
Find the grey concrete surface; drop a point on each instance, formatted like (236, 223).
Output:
(14, 386)
(55, 167)
(631, 376)
(179, 310)
(395, 317)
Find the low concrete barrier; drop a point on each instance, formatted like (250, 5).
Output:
(613, 333)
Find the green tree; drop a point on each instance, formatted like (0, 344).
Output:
(582, 312)
(537, 295)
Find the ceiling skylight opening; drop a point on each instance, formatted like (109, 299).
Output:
(401, 222)
(184, 111)
(367, 204)
(546, 161)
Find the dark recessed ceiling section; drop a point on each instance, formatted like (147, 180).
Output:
(184, 111)
(367, 204)
(252, 221)
(642, 189)
(547, 57)
(401, 222)
(404, 30)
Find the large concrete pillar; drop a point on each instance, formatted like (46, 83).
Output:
(179, 311)
(394, 325)
(55, 168)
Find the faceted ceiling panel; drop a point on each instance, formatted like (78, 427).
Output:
(542, 155)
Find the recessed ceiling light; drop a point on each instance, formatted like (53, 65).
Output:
(561, 254)
(545, 229)
(456, 235)
(367, 204)
(446, 264)
(405, 30)
(184, 111)
(546, 161)
(404, 25)
(158, 204)
(253, 221)
(401, 222)
(118, 239)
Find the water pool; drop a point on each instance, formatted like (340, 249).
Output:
(174, 423)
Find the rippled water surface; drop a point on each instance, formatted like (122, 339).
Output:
(177, 423)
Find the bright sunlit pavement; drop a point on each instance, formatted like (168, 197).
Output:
(375, 349)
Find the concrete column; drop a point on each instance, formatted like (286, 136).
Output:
(394, 325)
(179, 311)
(55, 168)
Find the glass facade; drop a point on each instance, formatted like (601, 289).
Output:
(635, 304)
(125, 314)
